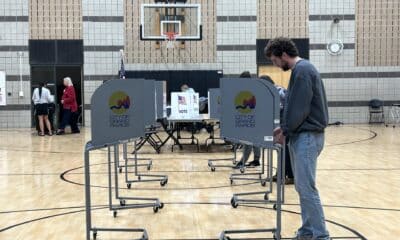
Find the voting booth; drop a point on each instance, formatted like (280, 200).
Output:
(250, 111)
(149, 102)
(184, 105)
(117, 111)
(214, 103)
(120, 110)
(161, 99)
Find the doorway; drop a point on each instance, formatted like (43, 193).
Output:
(53, 76)
(279, 76)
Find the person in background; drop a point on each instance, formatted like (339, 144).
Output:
(70, 108)
(289, 178)
(186, 88)
(41, 98)
(304, 121)
(247, 148)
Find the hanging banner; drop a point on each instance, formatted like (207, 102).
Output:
(3, 92)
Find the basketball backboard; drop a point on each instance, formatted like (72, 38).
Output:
(161, 20)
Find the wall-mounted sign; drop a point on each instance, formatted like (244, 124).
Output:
(3, 92)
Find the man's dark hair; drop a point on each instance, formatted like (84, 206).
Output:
(267, 78)
(278, 46)
(245, 74)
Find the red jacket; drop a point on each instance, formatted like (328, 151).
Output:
(69, 98)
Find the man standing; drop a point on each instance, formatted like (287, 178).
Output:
(304, 120)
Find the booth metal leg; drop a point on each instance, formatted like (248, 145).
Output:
(276, 204)
(149, 202)
(163, 179)
(148, 164)
(88, 207)
(213, 163)
(254, 176)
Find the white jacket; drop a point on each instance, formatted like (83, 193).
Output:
(45, 98)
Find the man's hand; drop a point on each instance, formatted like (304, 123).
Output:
(62, 101)
(278, 136)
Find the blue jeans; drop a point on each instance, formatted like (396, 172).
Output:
(247, 151)
(69, 118)
(304, 150)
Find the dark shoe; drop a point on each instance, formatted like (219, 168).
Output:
(76, 132)
(239, 165)
(60, 132)
(289, 181)
(254, 163)
(41, 134)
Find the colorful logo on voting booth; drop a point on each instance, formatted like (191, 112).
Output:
(119, 102)
(245, 102)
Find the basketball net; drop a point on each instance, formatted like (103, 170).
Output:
(170, 38)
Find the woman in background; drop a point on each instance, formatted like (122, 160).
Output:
(70, 108)
(41, 98)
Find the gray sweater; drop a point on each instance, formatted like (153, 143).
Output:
(306, 108)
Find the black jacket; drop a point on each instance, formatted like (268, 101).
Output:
(306, 107)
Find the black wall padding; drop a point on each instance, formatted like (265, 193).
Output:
(200, 81)
(303, 45)
(59, 52)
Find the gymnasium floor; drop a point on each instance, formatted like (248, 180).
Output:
(42, 197)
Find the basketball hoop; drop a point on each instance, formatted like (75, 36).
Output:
(170, 38)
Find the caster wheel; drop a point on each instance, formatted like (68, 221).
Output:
(115, 214)
(155, 209)
(161, 205)
(148, 167)
(242, 170)
(266, 197)
(263, 183)
(231, 182)
(213, 169)
(163, 183)
(94, 235)
(234, 203)
(120, 170)
(122, 202)
(274, 206)
(139, 178)
(144, 237)
(129, 185)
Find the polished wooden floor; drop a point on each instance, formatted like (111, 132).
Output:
(42, 197)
